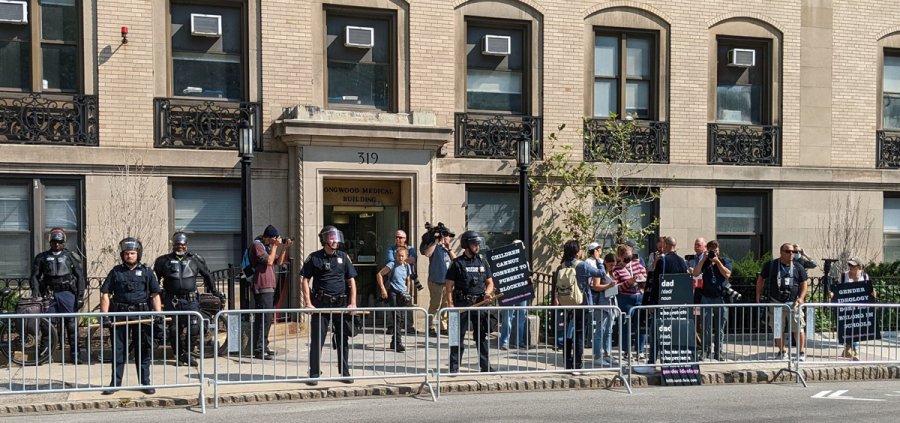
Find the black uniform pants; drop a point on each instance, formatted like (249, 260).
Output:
(340, 339)
(262, 322)
(64, 302)
(187, 327)
(479, 322)
(141, 337)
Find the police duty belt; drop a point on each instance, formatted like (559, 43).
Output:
(129, 322)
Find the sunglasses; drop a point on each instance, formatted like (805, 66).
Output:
(400, 237)
(788, 251)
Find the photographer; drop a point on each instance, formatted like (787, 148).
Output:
(265, 255)
(715, 271)
(436, 246)
(784, 282)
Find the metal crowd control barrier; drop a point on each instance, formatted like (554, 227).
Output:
(851, 333)
(695, 334)
(38, 355)
(541, 339)
(371, 353)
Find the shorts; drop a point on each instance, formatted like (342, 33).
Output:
(798, 322)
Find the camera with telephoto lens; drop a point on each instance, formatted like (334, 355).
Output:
(730, 294)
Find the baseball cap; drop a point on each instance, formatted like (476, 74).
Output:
(593, 246)
(270, 232)
(854, 261)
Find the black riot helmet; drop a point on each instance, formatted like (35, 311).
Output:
(330, 232)
(470, 237)
(179, 238)
(56, 234)
(129, 244)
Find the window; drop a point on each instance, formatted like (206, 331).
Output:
(625, 84)
(494, 213)
(742, 84)
(891, 229)
(360, 68)
(211, 216)
(29, 208)
(891, 90)
(495, 80)
(742, 221)
(641, 210)
(207, 51)
(42, 54)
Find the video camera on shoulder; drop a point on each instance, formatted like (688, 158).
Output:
(437, 231)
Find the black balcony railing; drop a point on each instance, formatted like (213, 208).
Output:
(888, 154)
(752, 145)
(204, 125)
(49, 119)
(497, 137)
(649, 143)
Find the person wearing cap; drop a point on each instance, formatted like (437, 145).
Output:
(602, 319)
(178, 272)
(264, 256)
(58, 273)
(854, 273)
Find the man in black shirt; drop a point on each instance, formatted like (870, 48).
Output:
(715, 271)
(784, 282)
(333, 286)
(469, 281)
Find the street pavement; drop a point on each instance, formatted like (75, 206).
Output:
(874, 401)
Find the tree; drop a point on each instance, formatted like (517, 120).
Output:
(595, 200)
(844, 231)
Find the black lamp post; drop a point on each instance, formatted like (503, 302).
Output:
(245, 151)
(523, 160)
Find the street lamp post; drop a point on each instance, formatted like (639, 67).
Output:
(523, 160)
(245, 150)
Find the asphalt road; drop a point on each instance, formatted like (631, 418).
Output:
(839, 402)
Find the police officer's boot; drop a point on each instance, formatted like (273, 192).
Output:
(397, 344)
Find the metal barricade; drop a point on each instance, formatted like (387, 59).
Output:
(288, 354)
(39, 353)
(530, 339)
(851, 333)
(680, 336)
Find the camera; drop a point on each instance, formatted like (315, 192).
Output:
(285, 239)
(730, 294)
(711, 254)
(436, 231)
(418, 285)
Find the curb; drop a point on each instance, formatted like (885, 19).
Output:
(501, 384)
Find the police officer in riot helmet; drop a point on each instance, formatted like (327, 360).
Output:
(57, 273)
(470, 281)
(333, 286)
(178, 272)
(131, 287)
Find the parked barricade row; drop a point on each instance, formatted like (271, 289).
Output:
(537, 339)
(353, 344)
(43, 356)
(851, 333)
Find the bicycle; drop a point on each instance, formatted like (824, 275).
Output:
(21, 341)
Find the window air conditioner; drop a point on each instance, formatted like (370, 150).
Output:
(742, 57)
(359, 37)
(14, 11)
(496, 45)
(206, 25)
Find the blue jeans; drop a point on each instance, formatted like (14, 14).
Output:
(519, 318)
(626, 303)
(603, 324)
(714, 316)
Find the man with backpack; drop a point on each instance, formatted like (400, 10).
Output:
(572, 283)
(264, 255)
(715, 270)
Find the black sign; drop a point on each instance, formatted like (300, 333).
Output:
(855, 323)
(510, 269)
(676, 340)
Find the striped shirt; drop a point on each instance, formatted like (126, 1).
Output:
(624, 272)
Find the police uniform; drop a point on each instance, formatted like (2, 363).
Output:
(179, 282)
(329, 289)
(469, 276)
(130, 290)
(59, 274)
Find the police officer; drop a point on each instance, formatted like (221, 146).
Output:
(469, 281)
(178, 273)
(333, 286)
(57, 273)
(130, 287)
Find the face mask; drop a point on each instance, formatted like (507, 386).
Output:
(179, 253)
(627, 259)
(796, 256)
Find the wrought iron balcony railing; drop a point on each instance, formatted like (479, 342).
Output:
(649, 143)
(744, 145)
(497, 137)
(887, 156)
(56, 119)
(204, 124)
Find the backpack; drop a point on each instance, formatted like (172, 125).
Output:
(568, 292)
(248, 265)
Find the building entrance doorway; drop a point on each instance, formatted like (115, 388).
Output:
(368, 212)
